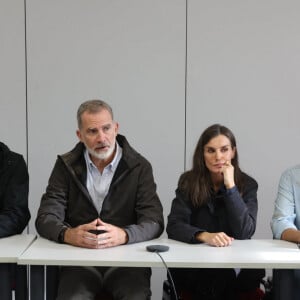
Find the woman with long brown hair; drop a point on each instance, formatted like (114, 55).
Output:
(215, 203)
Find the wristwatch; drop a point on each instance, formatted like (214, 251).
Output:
(61, 236)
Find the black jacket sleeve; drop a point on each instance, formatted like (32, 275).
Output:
(242, 210)
(179, 225)
(14, 181)
(51, 213)
(149, 211)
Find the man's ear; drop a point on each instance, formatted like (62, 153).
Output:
(78, 133)
(116, 128)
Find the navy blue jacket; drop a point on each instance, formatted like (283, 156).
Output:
(226, 211)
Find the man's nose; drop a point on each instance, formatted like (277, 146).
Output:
(100, 136)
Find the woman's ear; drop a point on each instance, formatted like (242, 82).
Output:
(233, 152)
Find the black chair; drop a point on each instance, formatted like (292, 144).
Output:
(168, 292)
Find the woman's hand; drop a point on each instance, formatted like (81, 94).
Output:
(216, 239)
(228, 174)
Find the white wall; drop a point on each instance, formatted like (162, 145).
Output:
(242, 71)
(12, 76)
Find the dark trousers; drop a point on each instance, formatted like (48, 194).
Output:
(216, 284)
(13, 277)
(5, 282)
(286, 284)
(77, 283)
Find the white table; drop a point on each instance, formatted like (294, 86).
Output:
(265, 254)
(241, 254)
(12, 247)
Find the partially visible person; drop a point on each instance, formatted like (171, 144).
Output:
(215, 203)
(101, 194)
(285, 225)
(14, 186)
(14, 212)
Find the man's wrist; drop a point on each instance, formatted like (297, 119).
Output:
(126, 237)
(61, 236)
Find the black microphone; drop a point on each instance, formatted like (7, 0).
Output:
(157, 248)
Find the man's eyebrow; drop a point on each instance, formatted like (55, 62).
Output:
(107, 124)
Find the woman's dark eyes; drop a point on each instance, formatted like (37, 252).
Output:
(213, 150)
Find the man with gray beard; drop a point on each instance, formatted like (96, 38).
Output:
(101, 194)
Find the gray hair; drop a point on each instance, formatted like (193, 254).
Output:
(92, 106)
